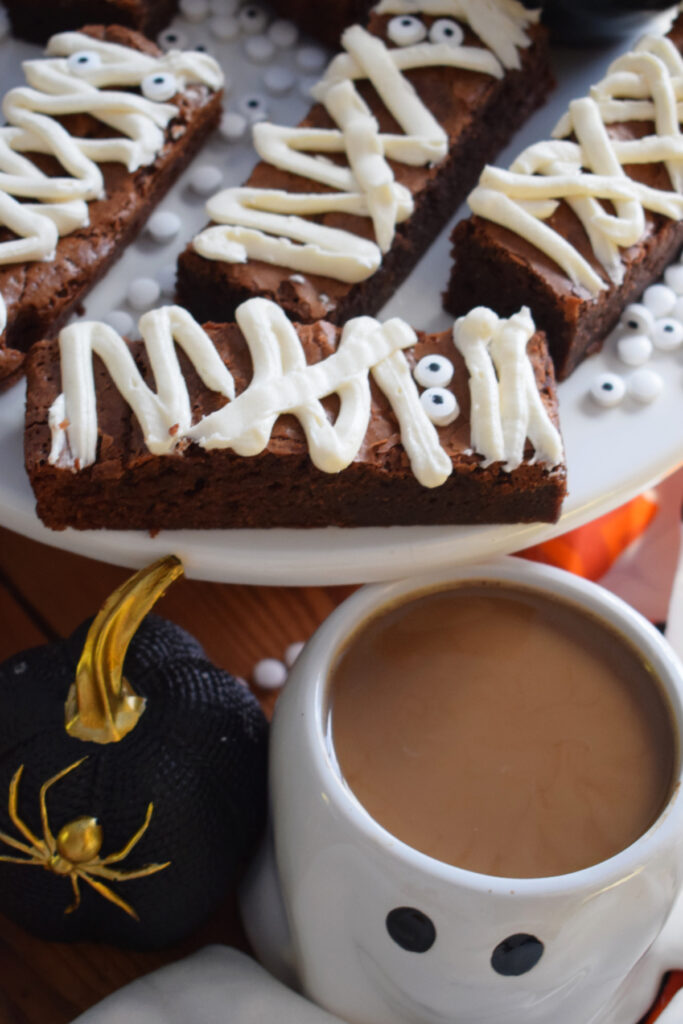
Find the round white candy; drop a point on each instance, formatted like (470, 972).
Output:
(310, 59)
(172, 39)
(278, 80)
(84, 60)
(440, 405)
(445, 30)
(406, 30)
(194, 10)
(224, 27)
(637, 319)
(659, 299)
(206, 180)
(253, 19)
(163, 225)
(166, 279)
(667, 334)
(232, 126)
(645, 385)
(634, 349)
(121, 321)
(293, 652)
(253, 106)
(677, 311)
(160, 86)
(283, 33)
(608, 389)
(673, 276)
(269, 674)
(259, 49)
(433, 371)
(143, 292)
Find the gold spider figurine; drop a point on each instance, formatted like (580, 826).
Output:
(75, 851)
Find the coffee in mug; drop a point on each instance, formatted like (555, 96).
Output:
(502, 730)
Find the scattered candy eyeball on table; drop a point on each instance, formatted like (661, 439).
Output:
(132, 777)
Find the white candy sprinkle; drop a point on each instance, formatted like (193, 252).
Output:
(172, 39)
(634, 349)
(673, 276)
(608, 390)
(253, 19)
(637, 318)
(143, 292)
(160, 86)
(278, 80)
(194, 10)
(166, 279)
(445, 30)
(205, 180)
(225, 28)
(293, 652)
(433, 371)
(440, 405)
(121, 321)
(253, 106)
(270, 674)
(659, 299)
(232, 126)
(406, 30)
(163, 225)
(310, 59)
(259, 49)
(283, 33)
(645, 386)
(667, 334)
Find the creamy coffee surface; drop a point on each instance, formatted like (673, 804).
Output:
(502, 731)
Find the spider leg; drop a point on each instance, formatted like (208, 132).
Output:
(114, 857)
(77, 894)
(49, 838)
(105, 891)
(122, 876)
(22, 860)
(14, 814)
(16, 844)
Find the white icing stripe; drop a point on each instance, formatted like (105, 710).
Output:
(283, 383)
(644, 85)
(255, 224)
(57, 86)
(506, 407)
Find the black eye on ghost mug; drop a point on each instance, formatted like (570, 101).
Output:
(516, 955)
(411, 929)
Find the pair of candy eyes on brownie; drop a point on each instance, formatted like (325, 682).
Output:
(160, 86)
(414, 931)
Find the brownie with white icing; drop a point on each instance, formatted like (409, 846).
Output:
(341, 207)
(580, 224)
(103, 127)
(37, 20)
(267, 423)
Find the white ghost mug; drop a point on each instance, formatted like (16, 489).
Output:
(588, 947)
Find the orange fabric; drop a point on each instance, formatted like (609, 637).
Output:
(673, 983)
(590, 550)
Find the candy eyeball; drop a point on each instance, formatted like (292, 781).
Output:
(411, 929)
(160, 86)
(667, 335)
(637, 319)
(634, 349)
(440, 405)
(659, 299)
(516, 955)
(645, 385)
(171, 39)
(445, 30)
(406, 30)
(253, 106)
(608, 390)
(673, 277)
(84, 60)
(433, 371)
(252, 19)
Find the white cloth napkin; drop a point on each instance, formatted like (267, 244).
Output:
(217, 985)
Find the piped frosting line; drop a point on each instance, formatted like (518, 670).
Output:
(271, 226)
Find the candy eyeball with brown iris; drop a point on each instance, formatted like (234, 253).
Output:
(445, 30)
(83, 61)
(160, 86)
(406, 30)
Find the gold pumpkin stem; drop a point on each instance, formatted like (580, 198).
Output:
(102, 706)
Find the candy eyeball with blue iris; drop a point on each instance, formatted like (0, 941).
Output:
(160, 86)
(445, 30)
(406, 30)
(83, 60)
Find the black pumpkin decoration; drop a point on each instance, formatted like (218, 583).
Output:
(152, 784)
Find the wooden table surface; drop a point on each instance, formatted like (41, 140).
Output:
(44, 594)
